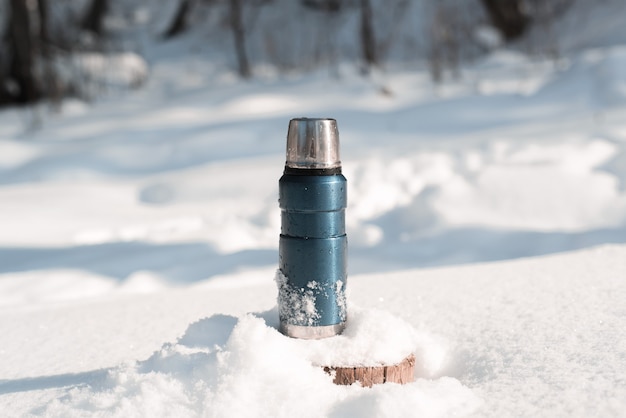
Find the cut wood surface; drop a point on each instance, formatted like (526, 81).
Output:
(395, 373)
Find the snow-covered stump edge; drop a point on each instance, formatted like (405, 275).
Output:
(375, 347)
(402, 373)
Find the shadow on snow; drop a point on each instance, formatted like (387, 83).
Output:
(177, 263)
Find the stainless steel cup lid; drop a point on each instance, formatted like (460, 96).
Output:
(313, 143)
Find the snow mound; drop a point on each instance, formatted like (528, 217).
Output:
(243, 367)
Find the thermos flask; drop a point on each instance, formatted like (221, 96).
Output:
(313, 243)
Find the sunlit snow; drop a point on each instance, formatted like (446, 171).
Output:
(486, 225)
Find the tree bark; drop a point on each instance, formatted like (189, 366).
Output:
(368, 41)
(508, 17)
(329, 6)
(401, 373)
(22, 55)
(5, 96)
(236, 24)
(94, 18)
(179, 23)
(51, 81)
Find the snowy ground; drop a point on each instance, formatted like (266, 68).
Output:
(540, 337)
(137, 233)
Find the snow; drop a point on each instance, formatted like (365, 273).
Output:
(297, 305)
(520, 337)
(139, 234)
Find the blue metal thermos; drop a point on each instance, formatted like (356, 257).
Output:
(313, 243)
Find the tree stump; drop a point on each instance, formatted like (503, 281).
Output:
(395, 373)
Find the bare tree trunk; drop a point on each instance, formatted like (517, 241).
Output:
(508, 17)
(5, 95)
(51, 81)
(179, 23)
(236, 24)
(329, 6)
(94, 18)
(444, 48)
(368, 41)
(22, 54)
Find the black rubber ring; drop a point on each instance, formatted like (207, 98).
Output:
(312, 171)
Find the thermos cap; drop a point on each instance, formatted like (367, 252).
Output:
(313, 143)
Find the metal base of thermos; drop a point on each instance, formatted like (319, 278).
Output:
(311, 333)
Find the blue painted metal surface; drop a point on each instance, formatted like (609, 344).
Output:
(313, 249)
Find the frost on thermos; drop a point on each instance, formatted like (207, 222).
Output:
(297, 305)
(313, 244)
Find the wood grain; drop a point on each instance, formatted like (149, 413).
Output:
(395, 373)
